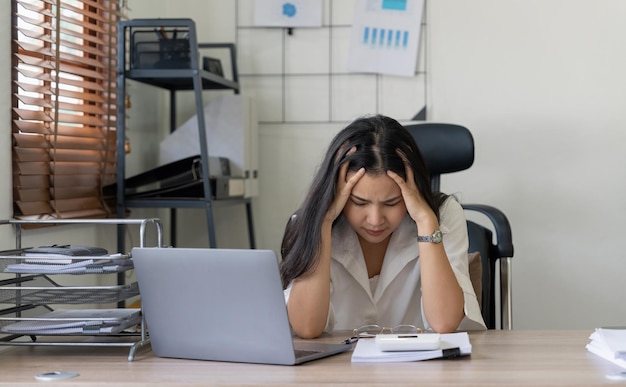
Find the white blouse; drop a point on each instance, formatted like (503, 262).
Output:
(395, 297)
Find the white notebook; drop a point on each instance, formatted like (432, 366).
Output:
(452, 345)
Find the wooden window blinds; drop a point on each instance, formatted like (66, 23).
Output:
(64, 107)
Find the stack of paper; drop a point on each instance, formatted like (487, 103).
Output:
(452, 344)
(53, 265)
(609, 344)
(77, 321)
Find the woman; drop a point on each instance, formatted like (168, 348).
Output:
(372, 244)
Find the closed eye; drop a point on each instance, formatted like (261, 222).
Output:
(393, 202)
(359, 203)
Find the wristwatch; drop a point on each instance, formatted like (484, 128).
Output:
(435, 238)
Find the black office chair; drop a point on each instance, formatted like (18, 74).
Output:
(449, 148)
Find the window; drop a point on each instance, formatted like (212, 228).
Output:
(64, 107)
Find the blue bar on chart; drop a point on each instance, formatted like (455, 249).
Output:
(374, 36)
(399, 5)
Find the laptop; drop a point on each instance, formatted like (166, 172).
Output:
(219, 304)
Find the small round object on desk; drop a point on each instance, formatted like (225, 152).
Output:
(56, 375)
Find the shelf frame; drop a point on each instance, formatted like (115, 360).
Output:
(132, 340)
(174, 80)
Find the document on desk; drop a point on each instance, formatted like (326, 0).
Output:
(452, 345)
(609, 344)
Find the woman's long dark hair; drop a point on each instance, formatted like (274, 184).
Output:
(381, 143)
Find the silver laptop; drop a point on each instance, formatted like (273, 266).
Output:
(219, 304)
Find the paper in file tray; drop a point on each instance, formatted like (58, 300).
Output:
(55, 265)
(67, 294)
(65, 251)
(77, 321)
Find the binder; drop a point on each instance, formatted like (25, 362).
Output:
(183, 178)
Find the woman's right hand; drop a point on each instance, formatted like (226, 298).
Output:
(344, 189)
(309, 298)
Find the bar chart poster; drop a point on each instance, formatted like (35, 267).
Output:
(385, 36)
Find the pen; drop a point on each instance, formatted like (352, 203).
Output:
(350, 340)
(450, 353)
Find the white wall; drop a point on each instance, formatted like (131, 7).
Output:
(540, 83)
(6, 193)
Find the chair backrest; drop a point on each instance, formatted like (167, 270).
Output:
(448, 148)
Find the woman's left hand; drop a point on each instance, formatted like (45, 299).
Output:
(417, 207)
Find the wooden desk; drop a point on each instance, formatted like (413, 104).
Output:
(498, 358)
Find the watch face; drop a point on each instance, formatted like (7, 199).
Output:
(437, 237)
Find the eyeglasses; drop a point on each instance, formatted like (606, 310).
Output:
(373, 330)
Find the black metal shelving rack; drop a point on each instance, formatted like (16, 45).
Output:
(191, 78)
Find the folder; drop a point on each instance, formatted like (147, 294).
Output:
(62, 253)
(183, 179)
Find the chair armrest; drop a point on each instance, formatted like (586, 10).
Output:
(501, 225)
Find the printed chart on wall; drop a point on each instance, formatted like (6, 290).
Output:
(293, 13)
(385, 36)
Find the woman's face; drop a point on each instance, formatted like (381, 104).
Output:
(375, 208)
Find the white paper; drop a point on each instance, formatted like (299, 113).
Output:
(231, 128)
(108, 265)
(609, 344)
(72, 321)
(34, 268)
(366, 350)
(385, 36)
(293, 13)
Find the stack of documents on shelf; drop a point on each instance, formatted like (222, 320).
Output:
(452, 345)
(609, 343)
(77, 321)
(62, 265)
(65, 251)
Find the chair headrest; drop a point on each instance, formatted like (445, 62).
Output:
(446, 148)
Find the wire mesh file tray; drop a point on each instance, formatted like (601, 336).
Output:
(68, 294)
(160, 48)
(39, 304)
(74, 322)
(47, 264)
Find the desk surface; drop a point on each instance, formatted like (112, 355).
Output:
(498, 358)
